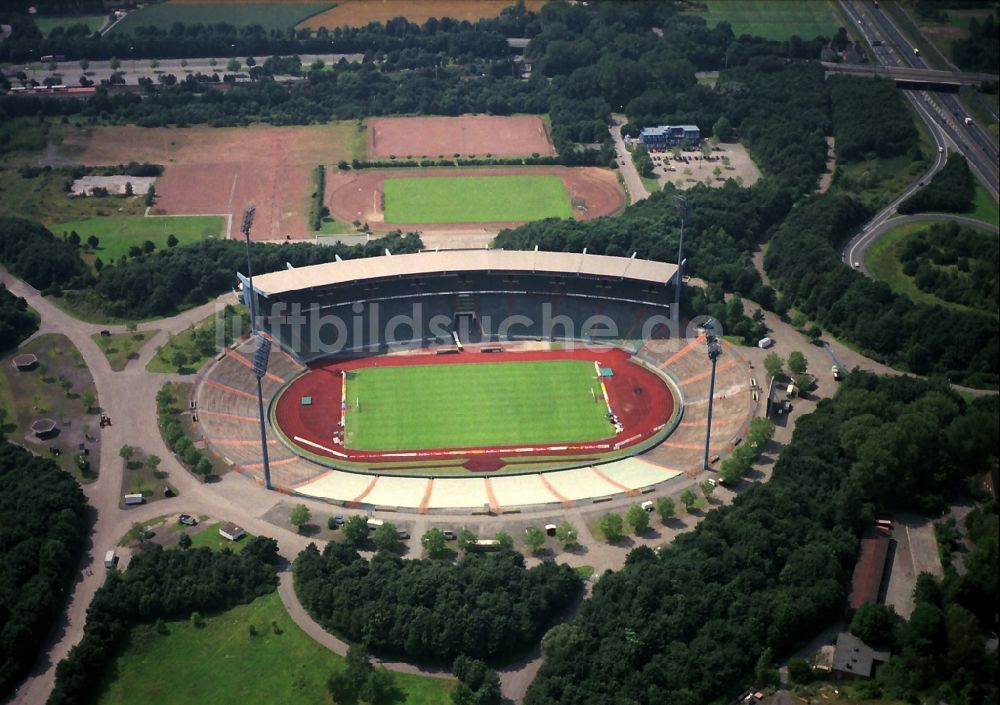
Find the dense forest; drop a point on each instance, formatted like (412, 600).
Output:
(869, 119)
(16, 321)
(160, 584)
(952, 190)
(45, 521)
(162, 282)
(689, 626)
(955, 263)
(886, 326)
(486, 606)
(980, 49)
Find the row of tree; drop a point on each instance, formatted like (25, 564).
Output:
(160, 584)
(45, 522)
(484, 606)
(16, 321)
(693, 624)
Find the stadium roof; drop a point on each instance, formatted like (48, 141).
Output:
(429, 262)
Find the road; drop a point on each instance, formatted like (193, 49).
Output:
(944, 108)
(633, 184)
(855, 250)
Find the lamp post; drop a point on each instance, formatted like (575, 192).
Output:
(681, 201)
(263, 352)
(714, 351)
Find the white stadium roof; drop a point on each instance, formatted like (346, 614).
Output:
(434, 262)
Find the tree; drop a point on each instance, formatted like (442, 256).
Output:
(434, 542)
(465, 538)
(172, 240)
(250, 61)
(665, 508)
(478, 684)
(797, 362)
(98, 264)
(233, 66)
(84, 64)
(115, 63)
(386, 537)
(93, 241)
(723, 129)
(149, 198)
(534, 539)
(148, 246)
(203, 466)
(773, 364)
(152, 462)
(126, 452)
(154, 64)
(800, 672)
(707, 487)
(74, 238)
(637, 518)
(611, 526)
(567, 534)
(505, 540)
(875, 624)
(299, 516)
(179, 359)
(89, 399)
(765, 672)
(688, 499)
(128, 189)
(184, 541)
(356, 529)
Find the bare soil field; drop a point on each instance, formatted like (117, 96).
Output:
(467, 135)
(220, 171)
(358, 13)
(357, 195)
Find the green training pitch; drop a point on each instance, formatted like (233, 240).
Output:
(475, 199)
(269, 15)
(469, 406)
(774, 19)
(116, 234)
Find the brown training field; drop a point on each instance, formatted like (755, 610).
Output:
(358, 13)
(357, 195)
(466, 135)
(220, 171)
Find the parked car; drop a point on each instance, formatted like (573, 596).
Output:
(187, 520)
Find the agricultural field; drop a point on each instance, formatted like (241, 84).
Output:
(358, 13)
(209, 664)
(774, 19)
(486, 404)
(475, 199)
(269, 15)
(116, 234)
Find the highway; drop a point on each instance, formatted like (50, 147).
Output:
(941, 112)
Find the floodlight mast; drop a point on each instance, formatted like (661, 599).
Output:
(245, 229)
(714, 351)
(681, 201)
(261, 355)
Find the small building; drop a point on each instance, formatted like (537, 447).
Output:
(231, 531)
(25, 362)
(44, 428)
(853, 658)
(132, 499)
(869, 571)
(665, 136)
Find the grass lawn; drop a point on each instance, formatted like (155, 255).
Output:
(652, 185)
(47, 23)
(56, 389)
(119, 348)
(269, 15)
(198, 343)
(220, 663)
(475, 199)
(774, 19)
(482, 404)
(118, 233)
(209, 538)
(882, 260)
(985, 208)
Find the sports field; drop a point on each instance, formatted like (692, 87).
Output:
(118, 233)
(462, 406)
(774, 19)
(269, 15)
(475, 199)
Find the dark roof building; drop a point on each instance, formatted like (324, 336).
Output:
(853, 658)
(866, 582)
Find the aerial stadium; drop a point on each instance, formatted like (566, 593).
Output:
(472, 379)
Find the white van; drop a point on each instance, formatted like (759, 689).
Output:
(765, 343)
(110, 558)
(647, 505)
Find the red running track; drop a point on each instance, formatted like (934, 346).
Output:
(640, 398)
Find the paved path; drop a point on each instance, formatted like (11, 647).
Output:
(626, 167)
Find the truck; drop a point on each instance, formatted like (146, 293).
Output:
(968, 121)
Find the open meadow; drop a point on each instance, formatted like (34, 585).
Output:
(119, 233)
(211, 663)
(269, 15)
(774, 19)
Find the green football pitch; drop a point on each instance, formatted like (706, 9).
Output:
(475, 199)
(483, 404)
